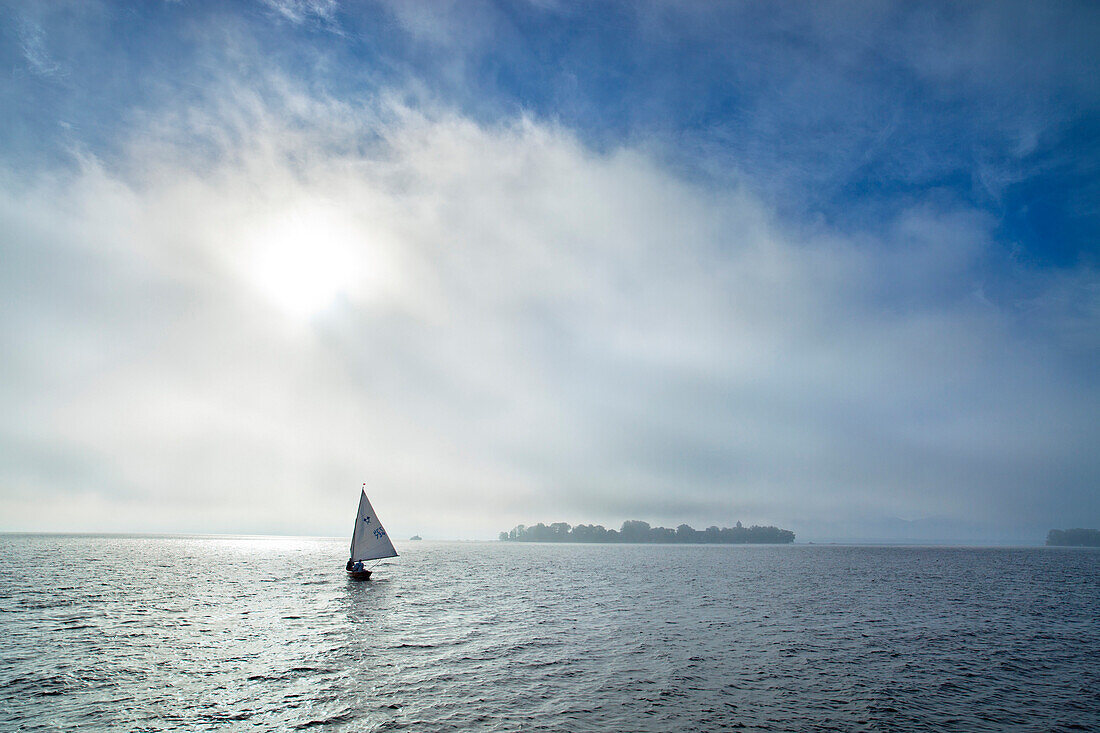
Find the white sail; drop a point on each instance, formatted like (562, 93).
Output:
(369, 540)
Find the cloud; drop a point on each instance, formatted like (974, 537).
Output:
(843, 112)
(275, 295)
(301, 11)
(32, 42)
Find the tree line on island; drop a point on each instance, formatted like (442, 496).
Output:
(634, 530)
(1073, 538)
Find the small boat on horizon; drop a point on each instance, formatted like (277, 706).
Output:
(369, 540)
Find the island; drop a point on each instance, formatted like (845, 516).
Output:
(634, 530)
(1073, 538)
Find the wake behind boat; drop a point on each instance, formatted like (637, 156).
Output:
(369, 540)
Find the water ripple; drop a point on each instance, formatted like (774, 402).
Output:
(249, 633)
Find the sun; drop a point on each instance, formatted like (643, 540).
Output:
(303, 260)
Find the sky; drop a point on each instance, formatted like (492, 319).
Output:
(831, 266)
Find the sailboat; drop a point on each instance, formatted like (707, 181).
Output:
(369, 540)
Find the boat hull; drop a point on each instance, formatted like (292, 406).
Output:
(358, 575)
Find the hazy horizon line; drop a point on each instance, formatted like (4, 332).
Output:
(839, 542)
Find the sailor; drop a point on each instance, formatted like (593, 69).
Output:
(358, 567)
(350, 564)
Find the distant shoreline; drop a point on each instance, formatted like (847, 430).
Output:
(636, 531)
(1073, 538)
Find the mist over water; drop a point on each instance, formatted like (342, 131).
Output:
(203, 633)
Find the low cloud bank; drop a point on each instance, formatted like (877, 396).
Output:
(275, 296)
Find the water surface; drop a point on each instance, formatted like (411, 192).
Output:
(215, 633)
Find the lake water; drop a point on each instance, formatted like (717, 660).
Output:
(214, 633)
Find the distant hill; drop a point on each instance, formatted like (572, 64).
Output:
(1074, 538)
(634, 530)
